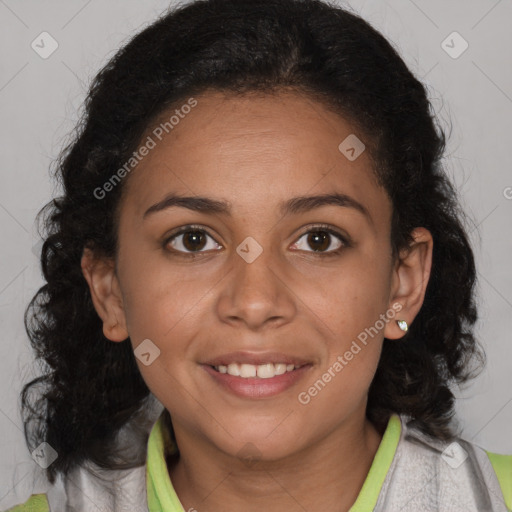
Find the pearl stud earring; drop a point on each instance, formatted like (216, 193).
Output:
(403, 325)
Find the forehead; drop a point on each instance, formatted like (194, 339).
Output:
(250, 149)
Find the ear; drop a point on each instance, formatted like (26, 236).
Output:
(99, 273)
(409, 281)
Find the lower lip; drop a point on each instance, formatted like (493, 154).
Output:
(254, 387)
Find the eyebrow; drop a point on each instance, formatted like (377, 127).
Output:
(294, 205)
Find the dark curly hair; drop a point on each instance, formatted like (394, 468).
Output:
(90, 387)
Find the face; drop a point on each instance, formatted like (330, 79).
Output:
(251, 275)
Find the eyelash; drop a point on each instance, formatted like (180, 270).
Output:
(317, 228)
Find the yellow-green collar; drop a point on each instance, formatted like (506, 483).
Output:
(160, 492)
(163, 498)
(369, 493)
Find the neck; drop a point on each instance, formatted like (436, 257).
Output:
(328, 475)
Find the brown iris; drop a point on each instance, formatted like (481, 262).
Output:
(194, 240)
(316, 237)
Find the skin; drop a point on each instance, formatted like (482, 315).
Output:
(290, 299)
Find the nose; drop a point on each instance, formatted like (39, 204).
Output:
(256, 294)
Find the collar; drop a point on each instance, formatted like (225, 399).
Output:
(162, 496)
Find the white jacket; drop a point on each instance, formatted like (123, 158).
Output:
(410, 473)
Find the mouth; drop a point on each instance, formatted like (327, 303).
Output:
(260, 371)
(251, 381)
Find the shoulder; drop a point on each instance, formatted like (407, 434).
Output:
(431, 474)
(36, 503)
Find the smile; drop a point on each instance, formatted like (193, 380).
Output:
(261, 371)
(256, 381)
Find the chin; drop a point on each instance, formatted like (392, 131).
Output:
(257, 441)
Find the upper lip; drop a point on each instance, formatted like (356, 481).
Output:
(255, 358)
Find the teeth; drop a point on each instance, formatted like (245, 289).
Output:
(279, 368)
(247, 370)
(263, 371)
(233, 369)
(266, 371)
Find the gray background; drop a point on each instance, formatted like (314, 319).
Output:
(40, 101)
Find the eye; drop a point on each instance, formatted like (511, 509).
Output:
(194, 239)
(320, 239)
(189, 240)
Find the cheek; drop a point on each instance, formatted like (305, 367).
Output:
(159, 301)
(352, 300)
(354, 307)
(338, 389)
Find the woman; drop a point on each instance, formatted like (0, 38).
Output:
(302, 337)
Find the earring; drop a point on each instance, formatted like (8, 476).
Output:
(403, 325)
